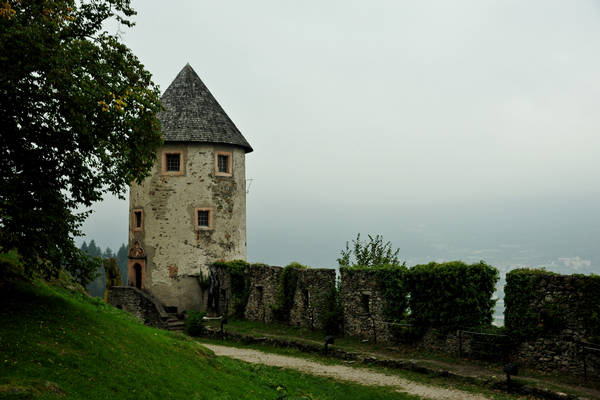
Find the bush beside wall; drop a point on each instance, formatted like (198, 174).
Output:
(451, 295)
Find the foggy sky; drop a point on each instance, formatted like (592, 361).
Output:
(458, 130)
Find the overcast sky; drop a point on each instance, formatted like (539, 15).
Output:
(458, 130)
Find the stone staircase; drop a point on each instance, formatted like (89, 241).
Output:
(174, 323)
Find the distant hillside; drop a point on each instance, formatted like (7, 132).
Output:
(56, 342)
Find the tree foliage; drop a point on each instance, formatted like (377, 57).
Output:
(97, 286)
(368, 254)
(78, 119)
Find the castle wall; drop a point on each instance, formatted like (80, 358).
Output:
(264, 281)
(363, 305)
(178, 253)
(557, 305)
(313, 293)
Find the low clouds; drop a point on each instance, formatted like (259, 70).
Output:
(577, 263)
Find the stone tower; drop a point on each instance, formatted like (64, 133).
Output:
(191, 210)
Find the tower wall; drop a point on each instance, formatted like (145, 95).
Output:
(177, 252)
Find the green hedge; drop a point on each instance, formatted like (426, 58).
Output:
(451, 295)
(527, 314)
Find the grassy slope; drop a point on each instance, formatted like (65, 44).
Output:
(54, 342)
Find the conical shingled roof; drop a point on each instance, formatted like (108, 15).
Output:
(193, 115)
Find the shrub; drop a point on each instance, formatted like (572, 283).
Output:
(368, 254)
(451, 295)
(194, 323)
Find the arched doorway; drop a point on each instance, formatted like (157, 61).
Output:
(137, 268)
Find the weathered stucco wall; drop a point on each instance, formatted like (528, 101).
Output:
(312, 297)
(177, 253)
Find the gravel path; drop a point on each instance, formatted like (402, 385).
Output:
(340, 372)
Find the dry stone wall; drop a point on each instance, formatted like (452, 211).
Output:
(558, 306)
(263, 283)
(363, 306)
(311, 299)
(142, 305)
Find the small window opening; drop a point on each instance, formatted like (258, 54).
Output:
(138, 219)
(259, 293)
(203, 218)
(171, 309)
(305, 298)
(173, 162)
(365, 301)
(223, 163)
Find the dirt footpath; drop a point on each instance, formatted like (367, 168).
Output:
(340, 372)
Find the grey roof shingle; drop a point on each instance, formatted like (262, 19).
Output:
(193, 115)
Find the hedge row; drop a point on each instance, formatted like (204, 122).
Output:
(444, 296)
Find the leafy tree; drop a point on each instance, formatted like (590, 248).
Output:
(368, 254)
(78, 119)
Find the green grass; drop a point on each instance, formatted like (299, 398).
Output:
(56, 343)
(352, 344)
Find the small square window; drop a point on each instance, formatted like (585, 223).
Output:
(173, 162)
(223, 163)
(204, 219)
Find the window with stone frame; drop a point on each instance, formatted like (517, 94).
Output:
(172, 163)
(223, 163)
(203, 219)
